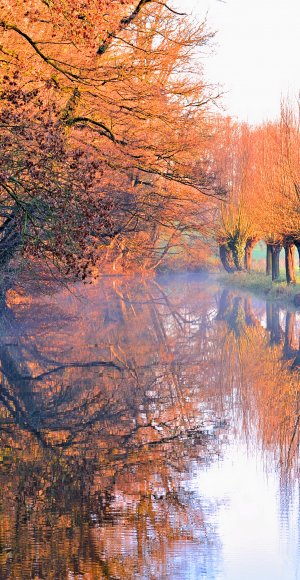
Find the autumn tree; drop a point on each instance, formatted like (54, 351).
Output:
(289, 180)
(259, 166)
(113, 83)
(237, 229)
(278, 175)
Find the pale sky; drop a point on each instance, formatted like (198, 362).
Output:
(256, 53)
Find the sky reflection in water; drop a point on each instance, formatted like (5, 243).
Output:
(149, 430)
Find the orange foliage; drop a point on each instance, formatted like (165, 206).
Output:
(111, 81)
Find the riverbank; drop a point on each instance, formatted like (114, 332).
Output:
(261, 285)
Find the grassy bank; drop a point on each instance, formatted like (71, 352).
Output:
(261, 285)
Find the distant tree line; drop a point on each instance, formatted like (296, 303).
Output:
(259, 167)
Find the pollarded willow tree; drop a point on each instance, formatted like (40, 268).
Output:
(259, 167)
(265, 178)
(278, 167)
(104, 129)
(288, 208)
(237, 227)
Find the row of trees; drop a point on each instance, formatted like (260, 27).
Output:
(111, 157)
(260, 168)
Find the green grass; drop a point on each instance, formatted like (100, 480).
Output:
(261, 285)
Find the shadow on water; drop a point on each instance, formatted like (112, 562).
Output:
(112, 400)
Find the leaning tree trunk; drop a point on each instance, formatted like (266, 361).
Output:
(248, 253)
(225, 257)
(275, 262)
(289, 249)
(269, 260)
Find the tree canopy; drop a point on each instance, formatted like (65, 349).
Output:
(105, 128)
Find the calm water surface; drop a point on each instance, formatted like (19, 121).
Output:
(149, 430)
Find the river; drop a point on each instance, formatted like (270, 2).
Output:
(149, 430)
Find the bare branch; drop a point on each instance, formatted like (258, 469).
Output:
(123, 24)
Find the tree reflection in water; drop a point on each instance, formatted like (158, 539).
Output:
(102, 418)
(263, 361)
(110, 400)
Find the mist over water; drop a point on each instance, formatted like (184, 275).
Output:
(149, 429)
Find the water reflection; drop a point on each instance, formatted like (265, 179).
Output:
(264, 342)
(113, 401)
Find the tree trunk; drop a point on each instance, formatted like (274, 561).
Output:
(289, 263)
(297, 244)
(225, 257)
(237, 254)
(275, 262)
(269, 260)
(248, 253)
